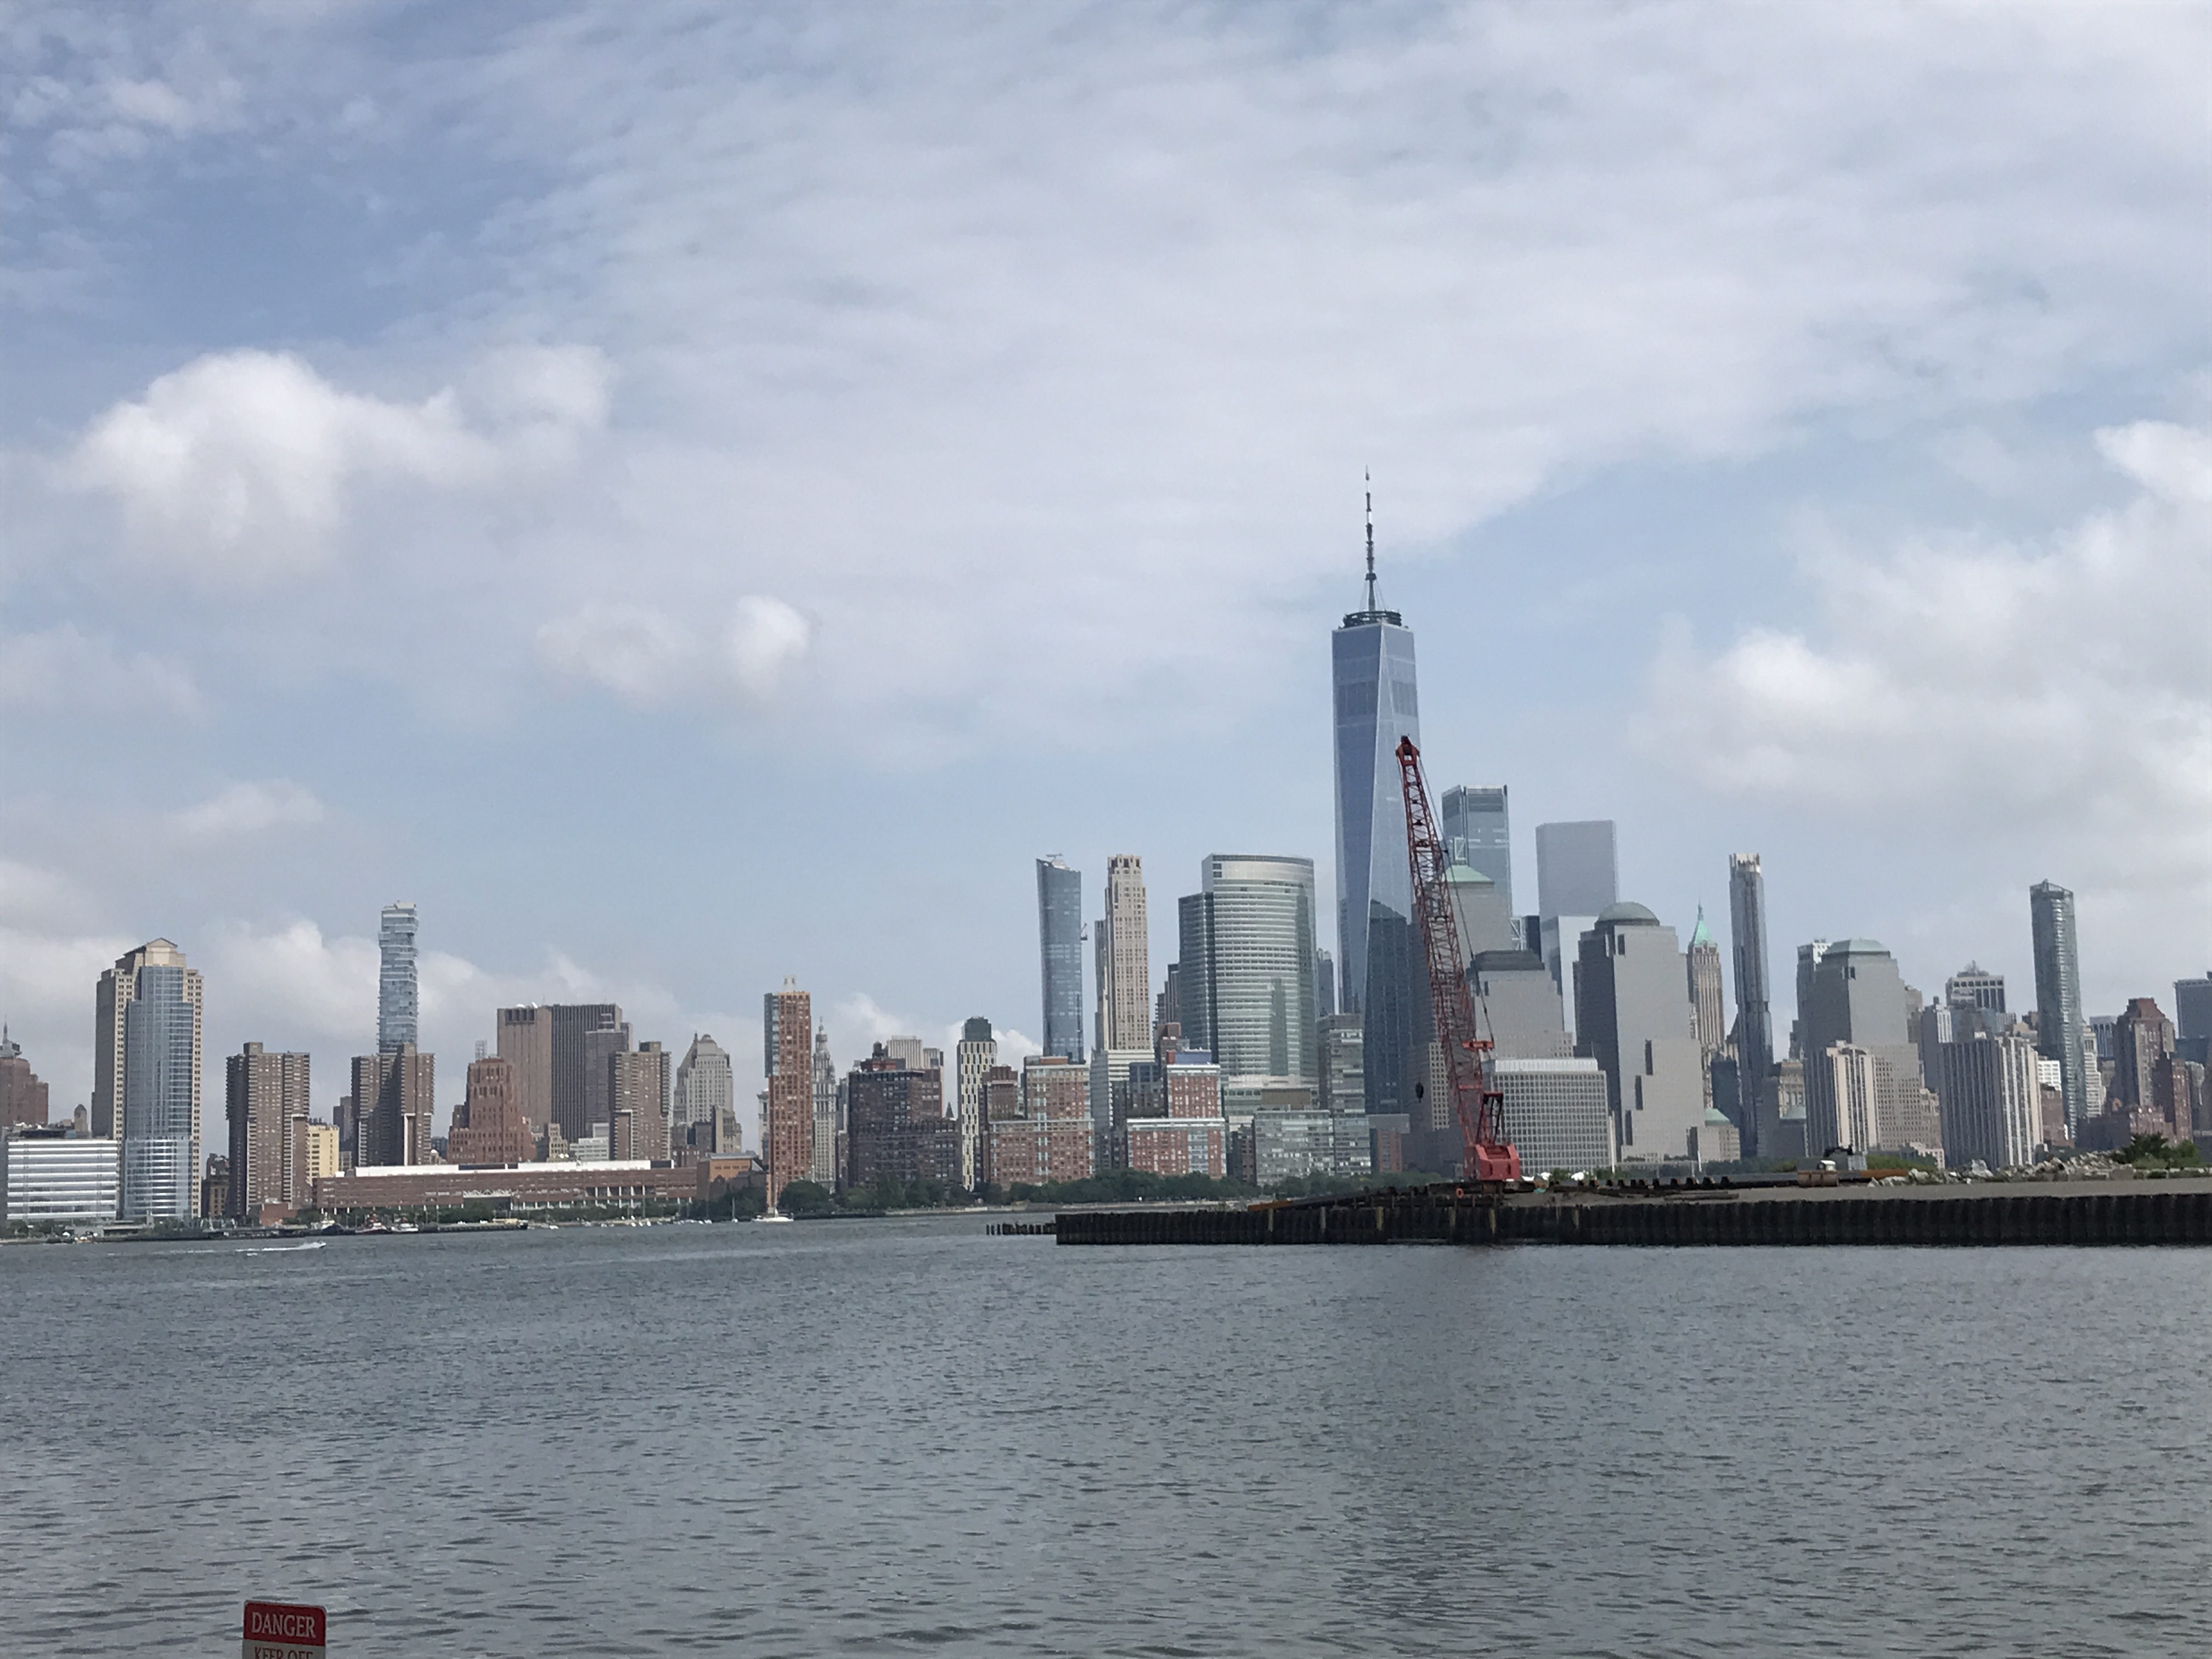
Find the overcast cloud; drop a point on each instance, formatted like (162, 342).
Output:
(710, 494)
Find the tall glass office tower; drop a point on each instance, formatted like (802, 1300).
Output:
(1060, 945)
(2058, 996)
(396, 1004)
(1246, 969)
(1382, 973)
(161, 1095)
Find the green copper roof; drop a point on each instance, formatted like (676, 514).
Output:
(1700, 935)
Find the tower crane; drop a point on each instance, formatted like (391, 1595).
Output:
(1488, 1156)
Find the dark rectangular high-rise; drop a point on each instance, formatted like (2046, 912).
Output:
(573, 1093)
(1059, 947)
(2058, 996)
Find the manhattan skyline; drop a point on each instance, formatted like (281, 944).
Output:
(699, 659)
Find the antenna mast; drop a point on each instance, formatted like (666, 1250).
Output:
(1370, 538)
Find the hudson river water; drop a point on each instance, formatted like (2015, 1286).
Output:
(905, 1437)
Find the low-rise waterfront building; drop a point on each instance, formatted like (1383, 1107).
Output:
(520, 1187)
(53, 1176)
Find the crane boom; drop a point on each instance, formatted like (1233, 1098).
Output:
(1488, 1156)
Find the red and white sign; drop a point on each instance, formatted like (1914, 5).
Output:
(280, 1630)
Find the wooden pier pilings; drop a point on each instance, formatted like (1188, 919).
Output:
(2115, 1213)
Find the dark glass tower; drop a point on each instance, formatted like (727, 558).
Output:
(2058, 996)
(1060, 939)
(1382, 976)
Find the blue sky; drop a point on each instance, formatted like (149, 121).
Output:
(694, 495)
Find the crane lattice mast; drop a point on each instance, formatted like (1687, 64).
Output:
(1488, 1156)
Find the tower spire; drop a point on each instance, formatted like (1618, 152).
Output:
(1370, 476)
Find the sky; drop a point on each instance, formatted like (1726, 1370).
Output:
(694, 495)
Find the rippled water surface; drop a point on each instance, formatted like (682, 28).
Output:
(888, 1437)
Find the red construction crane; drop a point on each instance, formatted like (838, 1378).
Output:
(1488, 1156)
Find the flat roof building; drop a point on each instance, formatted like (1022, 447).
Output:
(54, 1178)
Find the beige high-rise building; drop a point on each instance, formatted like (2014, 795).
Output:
(266, 1096)
(637, 1094)
(788, 1114)
(526, 1042)
(315, 1155)
(1124, 959)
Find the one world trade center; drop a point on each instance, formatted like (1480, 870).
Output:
(1383, 974)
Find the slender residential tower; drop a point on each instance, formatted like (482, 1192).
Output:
(1754, 1020)
(1123, 944)
(396, 1001)
(1060, 949)
(2058, 996)
(1382, 975)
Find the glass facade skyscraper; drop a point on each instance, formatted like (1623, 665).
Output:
(1382, 975)
(2058, 996)
(160, 1095)
(1247, 967)
(1478, 834)
(395, 1001)
(1060, 948)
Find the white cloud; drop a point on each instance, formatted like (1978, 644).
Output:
(64, 669)
(2064, 692)
(236, 467)
(646, 657)
(247, 809)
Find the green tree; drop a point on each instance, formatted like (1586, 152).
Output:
(807, 1197)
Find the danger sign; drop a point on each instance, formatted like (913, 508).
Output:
(280, 1630)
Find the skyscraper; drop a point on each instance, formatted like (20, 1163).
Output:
(2193, 1018)
(396, 1000)
(394, 1097)
(704, 1091)
(2058, 997)
(266, 1097)
(1247, 962)
(787, 1057)
(488, 1128)
(1754, 1014)
(1060, 950)
(1635, 1022)
(637, 1102)
(1382, 975)
(22, 1096)
(827, 1161)
(526, 1042)
(973, 1058)
(1578, 876)
(1707, 998)
(1477, 833)
(583, 1035)
(1975, 987)
(1855, 998)
(160, 1117)
(1125, 959)
(118, 986)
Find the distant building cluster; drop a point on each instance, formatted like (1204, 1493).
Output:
(1258, 1054)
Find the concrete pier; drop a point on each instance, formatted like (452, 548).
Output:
(2177, 1212)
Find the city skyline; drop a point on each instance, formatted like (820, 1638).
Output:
(1731, 558)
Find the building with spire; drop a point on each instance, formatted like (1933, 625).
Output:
(1382, 976)
(23, 1094)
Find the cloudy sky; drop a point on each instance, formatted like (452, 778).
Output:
(694, 495)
